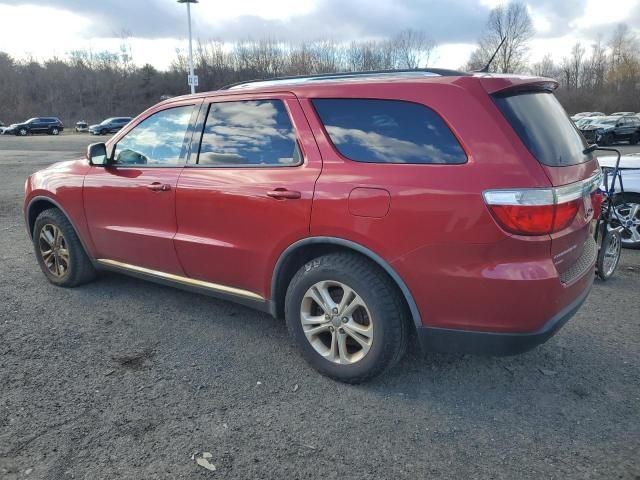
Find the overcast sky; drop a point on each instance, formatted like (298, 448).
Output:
(44, 28)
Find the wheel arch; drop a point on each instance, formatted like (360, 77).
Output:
(300, 252)
(39, 204)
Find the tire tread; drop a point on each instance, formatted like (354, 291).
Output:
(391, 306)
(82, 270)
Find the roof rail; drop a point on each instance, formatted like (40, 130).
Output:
(442, 72)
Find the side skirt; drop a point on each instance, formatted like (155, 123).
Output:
(223, 292)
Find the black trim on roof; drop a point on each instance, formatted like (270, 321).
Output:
(442, 72)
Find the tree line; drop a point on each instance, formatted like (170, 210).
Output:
(603, 76)
(93, 86)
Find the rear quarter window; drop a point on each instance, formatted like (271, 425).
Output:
(388, 131)
(544, 128)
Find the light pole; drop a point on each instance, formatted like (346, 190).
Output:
(192, 80)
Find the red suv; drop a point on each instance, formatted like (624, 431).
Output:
(365, 209)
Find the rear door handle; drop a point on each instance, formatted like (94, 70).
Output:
(159, 187)
(283, 194)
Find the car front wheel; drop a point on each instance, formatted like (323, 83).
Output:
(54, 131)
(627, 214)
(347, 317)
(23, 132)
(59, 251)
(607, 139)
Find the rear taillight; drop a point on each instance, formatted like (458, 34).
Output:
(597, 198)
(539, 211)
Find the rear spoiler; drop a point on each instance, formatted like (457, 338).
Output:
(510, 84)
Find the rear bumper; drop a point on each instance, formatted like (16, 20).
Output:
(497, 343)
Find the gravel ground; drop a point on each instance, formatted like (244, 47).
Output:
(127, 379)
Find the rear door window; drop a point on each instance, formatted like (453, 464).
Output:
(248, 133)
(388, 131)
(544, 128)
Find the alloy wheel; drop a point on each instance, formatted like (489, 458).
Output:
(611, 255)
(628, 215)
(53, 250)
(337, 322)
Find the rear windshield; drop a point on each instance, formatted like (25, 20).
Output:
(544, 128)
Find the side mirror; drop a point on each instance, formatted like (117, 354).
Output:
(97, 154)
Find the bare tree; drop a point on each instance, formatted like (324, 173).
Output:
(93, 85)
(598, 66)
(625, 62)
(572, 67)
(545, 67)
(412, 49)
(513, 23)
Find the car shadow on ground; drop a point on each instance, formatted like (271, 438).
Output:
(565, 365)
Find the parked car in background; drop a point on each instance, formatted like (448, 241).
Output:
(586, 114)
(583, 121)
(576, 116)
(404, 224)
(110, 125)
(627, 206)
(48, 125)
(621, 114)
(610, 130)
(82, 126)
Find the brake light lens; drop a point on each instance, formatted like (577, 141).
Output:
(597, 198)
(524, 220)
(564, 215)
(539, 211)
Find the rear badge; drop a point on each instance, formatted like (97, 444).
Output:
(556, 258)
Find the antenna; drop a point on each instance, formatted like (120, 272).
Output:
(485, 69)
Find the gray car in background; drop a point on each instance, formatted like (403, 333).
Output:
(110, 125)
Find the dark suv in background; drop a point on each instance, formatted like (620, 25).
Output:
(613, 129)
(48, 125)
(110, 125)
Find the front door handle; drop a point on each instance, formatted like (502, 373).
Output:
(283, 194)
(159, 187)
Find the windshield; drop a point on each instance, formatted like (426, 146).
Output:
(106, 122)
(544, 127)
(609, 121)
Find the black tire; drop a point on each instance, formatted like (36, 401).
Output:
(635, 138)
(80, 269)
(611, 240)
(103, 132)
(607, 139)
(23, 132)
(388, 314)
(54, 131)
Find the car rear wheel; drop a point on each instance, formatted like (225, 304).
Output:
(347, 317)
(627, 214)
(635, 138)
(59, 251)
(609, 255)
